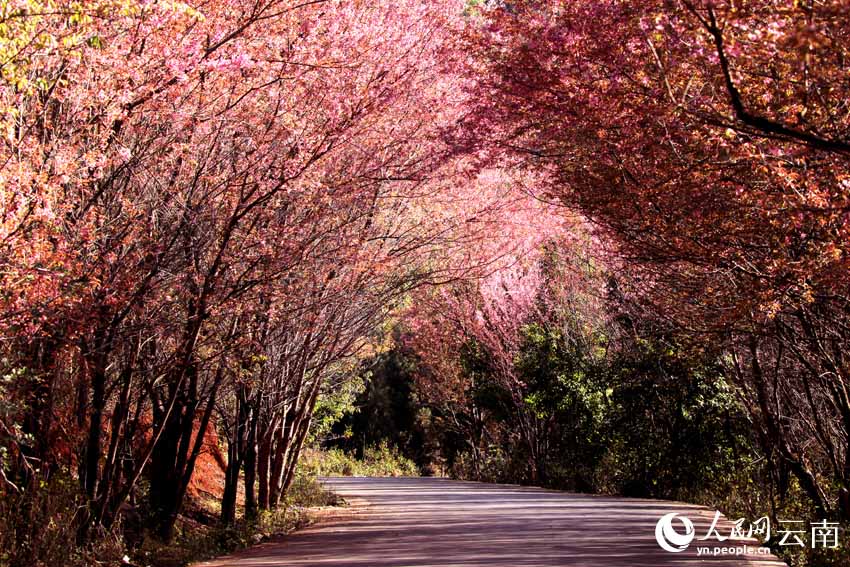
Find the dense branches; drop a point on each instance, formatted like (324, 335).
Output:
(207, 212)
(708, 140)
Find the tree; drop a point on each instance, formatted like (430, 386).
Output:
(487, 347)
(707, 141)
(200, 214)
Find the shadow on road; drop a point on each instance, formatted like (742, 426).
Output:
(427, 522)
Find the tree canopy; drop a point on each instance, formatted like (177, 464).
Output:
(213, 214)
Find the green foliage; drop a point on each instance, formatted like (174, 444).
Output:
(645, 417)
(675, 427)
(307, 491)
(333, 406)
(380, 460)
(386, 411)
(565, 391)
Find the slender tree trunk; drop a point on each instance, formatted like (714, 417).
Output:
(263, 458)
(188, 457)
(98, 383)
(298, 445)
(235, 455)
(251, 465)
(163, 472)
(231, 479)
(281, 447)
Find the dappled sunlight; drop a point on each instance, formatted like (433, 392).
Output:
(432, 522)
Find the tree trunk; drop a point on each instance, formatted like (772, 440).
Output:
(235, 455)
(164, 475)
(295, 450)
(281, 447)
(251, 465)
(264, 461)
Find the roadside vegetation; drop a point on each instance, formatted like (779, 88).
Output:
(381, 460)
(598, 246)
(624, 409)
(199, 532)
(200, 535)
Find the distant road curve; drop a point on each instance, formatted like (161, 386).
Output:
(431, 522)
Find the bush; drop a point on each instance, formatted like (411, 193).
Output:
(38, 527)
(196, 541)
(307, 491)
(380, 460)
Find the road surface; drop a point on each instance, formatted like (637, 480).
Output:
(430, 522)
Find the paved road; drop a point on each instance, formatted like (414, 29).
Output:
(427, 522)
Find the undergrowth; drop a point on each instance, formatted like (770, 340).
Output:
(196, 541)
(380, 460)
(40, 531)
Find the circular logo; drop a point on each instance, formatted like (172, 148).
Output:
(667, 536)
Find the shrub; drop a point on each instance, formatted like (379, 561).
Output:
(38, 527)
(379, 460)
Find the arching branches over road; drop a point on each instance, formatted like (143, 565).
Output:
(207, 211)
(709, 141)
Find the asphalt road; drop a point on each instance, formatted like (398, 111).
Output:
(428, 522)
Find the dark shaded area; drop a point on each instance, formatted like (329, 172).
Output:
(388, 411)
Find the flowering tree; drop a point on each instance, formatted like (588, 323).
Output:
(473, 333)
(708, 140)
(196, 209)
(208, 210)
